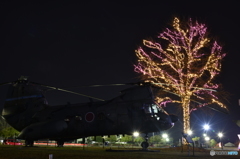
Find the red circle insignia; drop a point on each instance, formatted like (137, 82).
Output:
(89, 117)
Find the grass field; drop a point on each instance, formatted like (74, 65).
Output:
(40, 152)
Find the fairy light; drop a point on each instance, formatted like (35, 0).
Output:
(187, 65)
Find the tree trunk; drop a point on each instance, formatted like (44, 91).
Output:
(186, 114)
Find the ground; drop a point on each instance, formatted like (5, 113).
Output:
(43, 152)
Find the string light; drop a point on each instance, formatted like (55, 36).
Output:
(188, 65)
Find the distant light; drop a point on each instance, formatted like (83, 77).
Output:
(164, 135)
(205, 135)
(219, 144)
(136, 134)
(220, 135)
(207, 138)
(189, 132)
(206, 127)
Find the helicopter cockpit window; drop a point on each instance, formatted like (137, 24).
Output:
(151, 109)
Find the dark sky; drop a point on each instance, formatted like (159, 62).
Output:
(66, 44)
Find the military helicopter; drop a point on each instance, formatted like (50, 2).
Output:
(26, 109)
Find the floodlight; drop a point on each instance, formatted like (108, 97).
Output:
(136, 134)
(206, 127)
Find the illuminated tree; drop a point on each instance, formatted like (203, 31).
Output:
(185, 62)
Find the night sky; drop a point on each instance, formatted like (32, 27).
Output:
(67, 44)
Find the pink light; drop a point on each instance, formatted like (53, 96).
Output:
(164, 103)
(219, 144)
(173, 62)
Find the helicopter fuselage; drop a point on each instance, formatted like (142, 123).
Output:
(26, 110)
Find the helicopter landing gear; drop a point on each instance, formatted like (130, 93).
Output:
(60, 143)
(29, 143)
(145, 143)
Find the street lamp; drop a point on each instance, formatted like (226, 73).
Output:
(136, 134)
(189, 132)
(207, 140)
(206, 127)
(164, 135)
(220, 135)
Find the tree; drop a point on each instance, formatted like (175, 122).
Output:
(155, 139)
(185, 62)
(99, 139)
(126, 138)
(196, 138)
(213, 143)
(111, 138)
(6, 130)
(139, 140)
(196, 141)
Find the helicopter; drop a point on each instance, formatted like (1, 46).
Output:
(26, 109)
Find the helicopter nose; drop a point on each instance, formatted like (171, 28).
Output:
(174, 118)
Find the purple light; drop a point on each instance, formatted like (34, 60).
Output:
(186, 61)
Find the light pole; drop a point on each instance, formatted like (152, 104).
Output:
(207, 140)
(220, 135)
(165, 136)
(206, 127)
(135, 134)
(189, 134)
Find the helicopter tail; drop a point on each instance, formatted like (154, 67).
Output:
(23, 100)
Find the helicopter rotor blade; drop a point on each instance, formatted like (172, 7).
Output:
(106, 85)
(2, 84)
(64, 90)
(121, 84)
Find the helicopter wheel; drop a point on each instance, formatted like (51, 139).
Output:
(60, 143)
(29, 143)
(145, 143)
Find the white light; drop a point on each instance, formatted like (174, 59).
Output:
(189, 132)
(206, 127)
(220, 135)
(136, 134)
(207, 138)
(164, 135)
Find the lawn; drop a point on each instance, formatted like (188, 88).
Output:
(41, 152)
